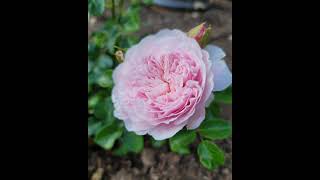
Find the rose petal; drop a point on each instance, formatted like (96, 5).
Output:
(207, 96)
(215, 52)
(141, 132)
(136, 126)
(222, 77)
(209, 100)
(197, 118)
(165, 131)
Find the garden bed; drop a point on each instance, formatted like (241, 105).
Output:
(156, 164)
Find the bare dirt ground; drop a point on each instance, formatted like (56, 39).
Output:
(160, 164)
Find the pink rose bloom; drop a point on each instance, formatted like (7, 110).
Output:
(165, 83)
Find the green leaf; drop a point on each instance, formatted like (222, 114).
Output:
(134, 2)
(93, 101)
(216, 129)
(99, 39)
(90, 65)
(104, 62)
(130, 142)
(134, 142)
(109, 109)
(105, 79)
(93, 50)
(127, 41)
(147, 2)
(180, 142)
(100, 110)
(106, 38)
(157, 144)
(93, 126)
(224, 96)
(210, 155)
(96, 7)
(109, 3)
(213, 110)
(113, 31)
(91, 81)
(131, 20)
(104, 111)
(107, 136)
(121, 151)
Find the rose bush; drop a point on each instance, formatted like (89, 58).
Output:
(165, 82)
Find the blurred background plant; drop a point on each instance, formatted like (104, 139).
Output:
(116, 32)
(104, 130)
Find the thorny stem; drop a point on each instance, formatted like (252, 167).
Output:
(199, 136)
(123, 49)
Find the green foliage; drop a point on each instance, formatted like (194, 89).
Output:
(130, 142)
(147, 2)
(107, 135)
(105, 79)
(224, 96)
(96, 7)
(210, 155)
(102, 124)
(127, 42)
(157, 144)
(117, 31)
(215, 129)
(131, 19)
(213, 110)
(93, 126)
(180, 142)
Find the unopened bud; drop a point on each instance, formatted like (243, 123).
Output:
(201, 34)
(119, 56)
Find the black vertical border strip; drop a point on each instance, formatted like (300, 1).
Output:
(67, 88)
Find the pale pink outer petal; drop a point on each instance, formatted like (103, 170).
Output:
(200, 112)
(222, 76)
(165, 131)
(210, 99)
(197, 117)
(216, 53)
(118, 111)
(136, 126)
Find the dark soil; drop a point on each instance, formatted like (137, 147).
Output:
(161, 164)
(155, 164)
